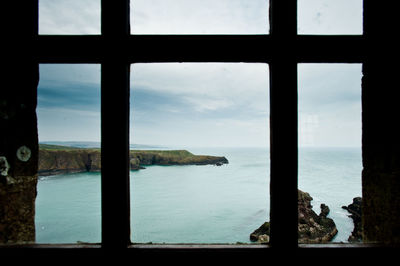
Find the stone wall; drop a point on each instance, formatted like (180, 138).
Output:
(18, 154)
(381, 153)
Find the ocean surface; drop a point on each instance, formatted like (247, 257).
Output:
(198, 204)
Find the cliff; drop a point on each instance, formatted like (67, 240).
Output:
(312, 228)
(54, 159)
(355, 210)
(173, 157)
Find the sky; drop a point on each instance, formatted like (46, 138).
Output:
(207, 104)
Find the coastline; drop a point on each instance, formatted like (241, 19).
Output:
(57, 159)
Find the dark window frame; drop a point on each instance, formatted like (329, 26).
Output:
(115, 49)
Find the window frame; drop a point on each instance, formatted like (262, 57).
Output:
(116, 49)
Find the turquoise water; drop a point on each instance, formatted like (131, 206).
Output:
(197, 204)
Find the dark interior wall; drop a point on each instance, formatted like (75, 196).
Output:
(18, 153)
(381, 154)
(380, 125)
(18, 123)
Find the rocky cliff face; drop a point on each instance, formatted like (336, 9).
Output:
(71, 160)
(139, 159)
(52, 162)
(312, 228)
(355, 210)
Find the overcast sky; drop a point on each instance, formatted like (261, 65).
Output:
(202, 104)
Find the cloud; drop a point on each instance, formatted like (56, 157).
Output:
(206, 103)
(67, 124)
(329, 104)
(75, 86)
(69, 17)
(328, 86)
(205, 86)
(199, 17)
(200, 104)
(330, 16)
(159, 17)
(69, 102)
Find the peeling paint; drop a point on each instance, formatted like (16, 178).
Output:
(23, 153)
(4, 166)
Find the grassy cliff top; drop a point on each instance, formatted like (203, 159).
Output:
(161, 156)
(51, 147)
(55, 147)
(180, 153)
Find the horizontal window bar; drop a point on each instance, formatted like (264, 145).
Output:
(199, 48)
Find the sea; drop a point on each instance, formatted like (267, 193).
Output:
(198, 204)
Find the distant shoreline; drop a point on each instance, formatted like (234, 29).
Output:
(58, 159)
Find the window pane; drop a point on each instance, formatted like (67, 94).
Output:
(330, 16)
(330, 161)
(199, 17)
(69, 17)
(68, 190)
(206, 109)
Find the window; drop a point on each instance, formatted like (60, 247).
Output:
(321, 17)
(283, 49)
(206, 17)
(69, 17)
(218, 109)
(330, 161)
(68, 203)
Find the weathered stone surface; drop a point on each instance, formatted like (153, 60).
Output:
(312, 228)
(18, 152)
(17, 209)
(380, 149)
(355, 210)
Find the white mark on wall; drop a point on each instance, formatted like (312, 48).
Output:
(4, 166)
(23, 153)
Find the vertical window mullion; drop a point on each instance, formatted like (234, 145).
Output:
(283, 125)
(115, 125)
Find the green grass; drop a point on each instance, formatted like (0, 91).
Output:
(174, 153)
(51, 147)
(56, 147)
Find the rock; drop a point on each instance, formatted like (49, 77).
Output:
(260, 233)
(61, 161)
(312, 228)
(355, 210)
(324, 210)
(135, 164)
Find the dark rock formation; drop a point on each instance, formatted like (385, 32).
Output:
(55, 159)
(135, 164)
(355, 210)
(312, 228)
(261, 234)
(174, 157)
